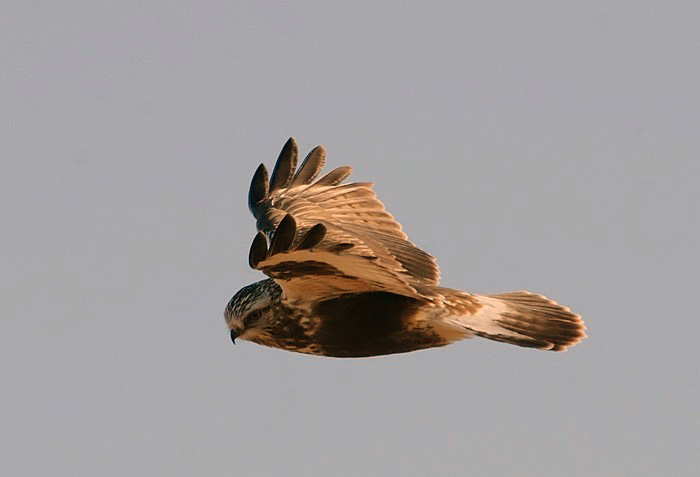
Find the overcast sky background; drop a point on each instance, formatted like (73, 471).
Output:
(549, 146)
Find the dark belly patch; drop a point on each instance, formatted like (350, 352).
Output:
(371, 324)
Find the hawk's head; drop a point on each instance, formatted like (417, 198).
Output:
(250, 313)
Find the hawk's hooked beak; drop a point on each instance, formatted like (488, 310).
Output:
(234, 335)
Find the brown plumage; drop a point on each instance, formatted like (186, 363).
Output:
(345, 281)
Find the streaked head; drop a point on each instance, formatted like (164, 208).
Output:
(250, 311)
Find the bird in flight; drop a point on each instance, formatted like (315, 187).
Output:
(344, 280)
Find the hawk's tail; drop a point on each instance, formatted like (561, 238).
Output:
(524, 319)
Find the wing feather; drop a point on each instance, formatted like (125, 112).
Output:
(259, 187)
(329, 238)
(312, 238)
(258, 250)
(310, 168)
(334, 177)
(284, 235)
(284, 168)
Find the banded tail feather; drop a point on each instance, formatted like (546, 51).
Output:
(521, 318)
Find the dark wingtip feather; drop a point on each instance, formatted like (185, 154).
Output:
(311, 166)
(258, 186)
(258, 250)
(284, 235)
(284, 168)
(312, 238)
(335, 177)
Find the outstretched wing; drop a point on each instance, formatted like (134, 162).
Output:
(320, 239)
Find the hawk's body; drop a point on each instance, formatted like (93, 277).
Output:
(345, 281)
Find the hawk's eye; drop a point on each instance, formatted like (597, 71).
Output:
(253, 316)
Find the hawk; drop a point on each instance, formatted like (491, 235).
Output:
(344, 280)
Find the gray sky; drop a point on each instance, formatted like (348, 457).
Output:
(549, 146)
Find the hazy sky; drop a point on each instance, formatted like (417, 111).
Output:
(549, 146)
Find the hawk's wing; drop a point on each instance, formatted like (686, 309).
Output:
(327, 239)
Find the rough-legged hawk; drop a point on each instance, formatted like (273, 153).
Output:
(344, 280)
